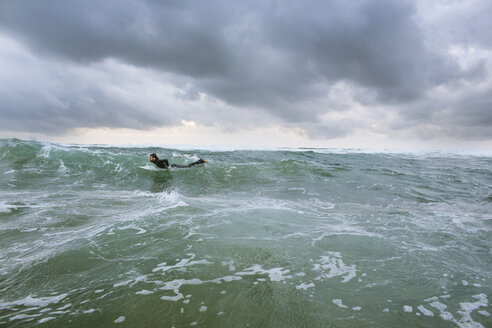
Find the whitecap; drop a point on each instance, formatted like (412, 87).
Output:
(181, 265)
(34, 301)
(144, 292)
(134, 227)
(339, 303)
(467, 308)
(305, 286)
(62, 169)
(171, 199)
(434, 298)
(6, 208)
(45, 151)
(175, 285)
(333, 263)
(407, 308)
(275, 274)
(425, 311)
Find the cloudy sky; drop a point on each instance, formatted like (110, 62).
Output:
(357, 74)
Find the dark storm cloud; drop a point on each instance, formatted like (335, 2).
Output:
(467, 116)
(90, 109)
(270, 56)
(164, 35)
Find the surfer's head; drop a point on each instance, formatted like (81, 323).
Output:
(153, 157)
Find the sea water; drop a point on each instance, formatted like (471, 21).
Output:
(94, 236)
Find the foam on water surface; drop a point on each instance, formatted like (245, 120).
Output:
(33, 301)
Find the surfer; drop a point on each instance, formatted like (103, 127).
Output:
(164, 163)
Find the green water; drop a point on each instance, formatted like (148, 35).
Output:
(96, 237)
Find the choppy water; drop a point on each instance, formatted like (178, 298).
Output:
(94, 237)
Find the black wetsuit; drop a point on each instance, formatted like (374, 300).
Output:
(164, 163)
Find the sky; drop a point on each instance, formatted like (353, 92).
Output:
(377, 74)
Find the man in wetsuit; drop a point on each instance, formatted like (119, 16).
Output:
(164, 163)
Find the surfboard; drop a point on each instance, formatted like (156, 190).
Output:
(152, 168)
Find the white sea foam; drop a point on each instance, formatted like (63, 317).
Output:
(186, 157)
(31, 300)
(407, 308)
(175, 285)
(29, 230)
(46, 319)
(130, 282)
(181, 265)
(169, 200)
(305, 286)
(466, 309)
(66, 306)
(6, 208)
(332, 265)
(339, 303)
(45, 151)
(275, 274)
(430, 299)
(29, 317)
(62, 169)
(318, 204)
(123, 283)
(133, 226)
(425, 311)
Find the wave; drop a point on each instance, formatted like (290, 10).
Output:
(31, 163)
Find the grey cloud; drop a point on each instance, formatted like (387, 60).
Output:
(332, 129)
(467, 23)
(467, 117)
(167, 35)
(54, 116)
(276, 57)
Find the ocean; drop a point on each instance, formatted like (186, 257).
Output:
(96, 236)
